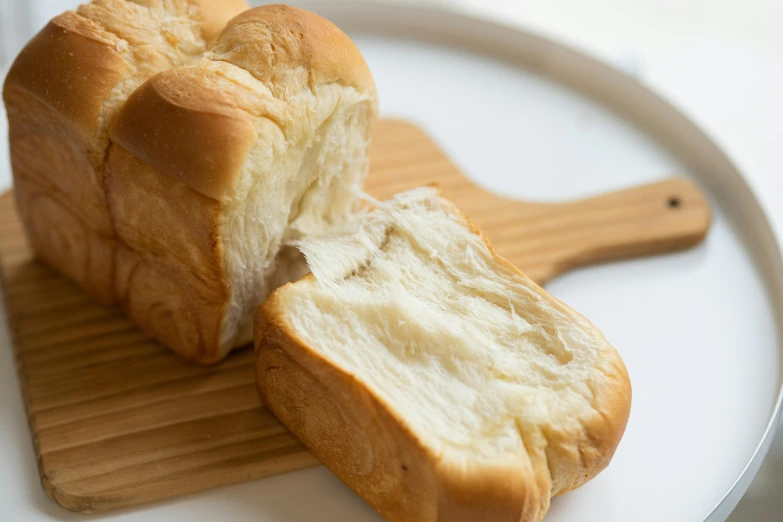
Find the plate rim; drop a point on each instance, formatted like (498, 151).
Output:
(619, 93)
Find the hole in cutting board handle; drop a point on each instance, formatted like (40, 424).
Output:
(673, 202)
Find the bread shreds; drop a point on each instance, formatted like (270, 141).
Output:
(192, 139)
(434, 378)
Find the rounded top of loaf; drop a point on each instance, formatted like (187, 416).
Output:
(214, 70)
(75, 61)
(191, 124)
(271, 40)
(197, 123)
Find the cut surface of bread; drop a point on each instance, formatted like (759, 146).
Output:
(192, 139)
(433, 377)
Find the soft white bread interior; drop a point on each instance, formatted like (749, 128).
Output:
(434, 378)
(189, 149)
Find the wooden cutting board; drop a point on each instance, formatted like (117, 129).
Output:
(118, 420)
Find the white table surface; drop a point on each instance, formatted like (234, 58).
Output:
(720, 61)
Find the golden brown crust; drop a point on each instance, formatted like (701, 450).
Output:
(197, 136)
(272, 40)
(53, 96)
(369, 430)
(202, 130)
(71, 68)
(169, 264)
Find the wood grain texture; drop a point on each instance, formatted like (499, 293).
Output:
(118, 420)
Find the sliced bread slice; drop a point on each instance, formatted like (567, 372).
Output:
(433, 377)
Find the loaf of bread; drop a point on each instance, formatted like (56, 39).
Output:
(434, 378)
(165, 151)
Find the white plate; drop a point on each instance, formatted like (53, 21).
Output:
(697, 330)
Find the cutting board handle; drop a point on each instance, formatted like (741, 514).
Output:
(661, 217)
